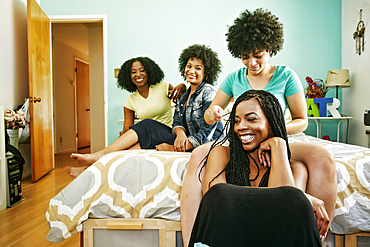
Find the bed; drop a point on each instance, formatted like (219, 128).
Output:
(147, 184)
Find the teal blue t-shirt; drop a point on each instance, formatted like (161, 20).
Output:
(284, 82)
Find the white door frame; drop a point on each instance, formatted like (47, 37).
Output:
(92, 19)
(3, 163)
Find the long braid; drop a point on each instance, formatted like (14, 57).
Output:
(237, 170)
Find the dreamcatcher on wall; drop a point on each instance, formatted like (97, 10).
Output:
(359, 35)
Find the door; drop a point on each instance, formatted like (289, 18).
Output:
(83, 104)
(40, 91)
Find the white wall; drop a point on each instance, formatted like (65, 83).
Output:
(356, 98)
(13, 62)
(64, 95)
(13, 50)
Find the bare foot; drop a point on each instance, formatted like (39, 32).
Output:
(164, 147)
(75, 171)
(85, 159)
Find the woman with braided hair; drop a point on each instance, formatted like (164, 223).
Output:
(255, 37)
(258, 156)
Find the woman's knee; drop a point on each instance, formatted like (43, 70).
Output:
(198, 156)
(142, 125)
(322, 160)
(313, 155)
(320, 153)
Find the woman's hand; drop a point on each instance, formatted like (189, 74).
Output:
(265, 149)
(215, 113)
(264, 156)
(321, 215)
(181, 142)
(174, 93)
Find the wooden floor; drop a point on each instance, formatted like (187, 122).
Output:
(25, 224)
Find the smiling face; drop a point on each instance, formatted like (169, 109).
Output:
(251, 125)
(257, 62)
(194, 71)
(138, 74)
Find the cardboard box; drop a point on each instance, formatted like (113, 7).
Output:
(132, 232)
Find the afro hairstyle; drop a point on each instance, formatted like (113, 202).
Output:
(212, 65)
(153, 71)
(254, 32)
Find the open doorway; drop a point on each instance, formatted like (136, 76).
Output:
(78, 39)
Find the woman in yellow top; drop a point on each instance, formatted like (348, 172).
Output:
(143, 78)
(150, 100)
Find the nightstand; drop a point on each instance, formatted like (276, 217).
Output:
(318, 124)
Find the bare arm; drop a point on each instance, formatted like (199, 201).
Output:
(129, 119)
(174, 93)
(215, 110)
(298, 109)
(217, 161)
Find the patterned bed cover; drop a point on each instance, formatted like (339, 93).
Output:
(147, 184)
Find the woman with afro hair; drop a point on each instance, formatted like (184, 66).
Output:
(150, 99)
(199, 66)
(255, 37)
(257, 157)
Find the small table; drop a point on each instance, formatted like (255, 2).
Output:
(318, 124)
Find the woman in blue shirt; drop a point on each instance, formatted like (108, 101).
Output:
(199, 66)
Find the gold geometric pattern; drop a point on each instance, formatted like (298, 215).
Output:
(352, 211)
(129, 184)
